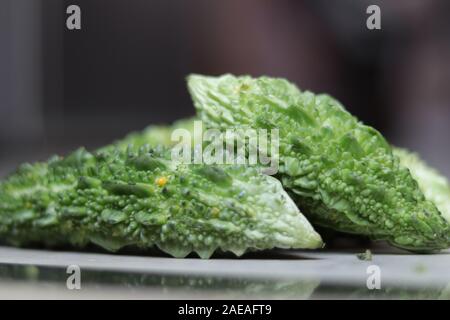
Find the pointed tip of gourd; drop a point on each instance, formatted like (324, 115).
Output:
(205, 253)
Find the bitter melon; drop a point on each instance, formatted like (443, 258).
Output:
(341, 172)
(136, 197)
(155, 135)
(434, 185)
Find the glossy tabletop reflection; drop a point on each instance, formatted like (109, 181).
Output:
(42, 274)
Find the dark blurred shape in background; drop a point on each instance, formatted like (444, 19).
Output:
(126, 67)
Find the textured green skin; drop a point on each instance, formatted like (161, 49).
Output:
(154, 135)
(113, 199)
(341, 173)
(433, 184)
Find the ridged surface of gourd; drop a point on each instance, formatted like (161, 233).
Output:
(432, 183)
(136, 197)
(341, 172)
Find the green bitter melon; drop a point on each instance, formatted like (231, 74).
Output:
(341, 172)
(155, 135)
(136, 197)
(433, 184)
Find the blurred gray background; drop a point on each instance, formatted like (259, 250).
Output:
(126, 67)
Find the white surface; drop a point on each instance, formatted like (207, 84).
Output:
(338, 268)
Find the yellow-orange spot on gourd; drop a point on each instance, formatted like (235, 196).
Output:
(242, 87)
(161, 181)
(215, 212)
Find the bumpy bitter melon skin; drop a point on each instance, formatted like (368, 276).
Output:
(341, 172)
(432, 183)
(154, 135)
(116, 198)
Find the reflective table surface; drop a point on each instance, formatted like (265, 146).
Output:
(43, 274)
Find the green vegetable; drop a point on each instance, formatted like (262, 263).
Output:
(136, 197)
(154, 135)
(434, 185)
(365, 256)
(341, 172)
